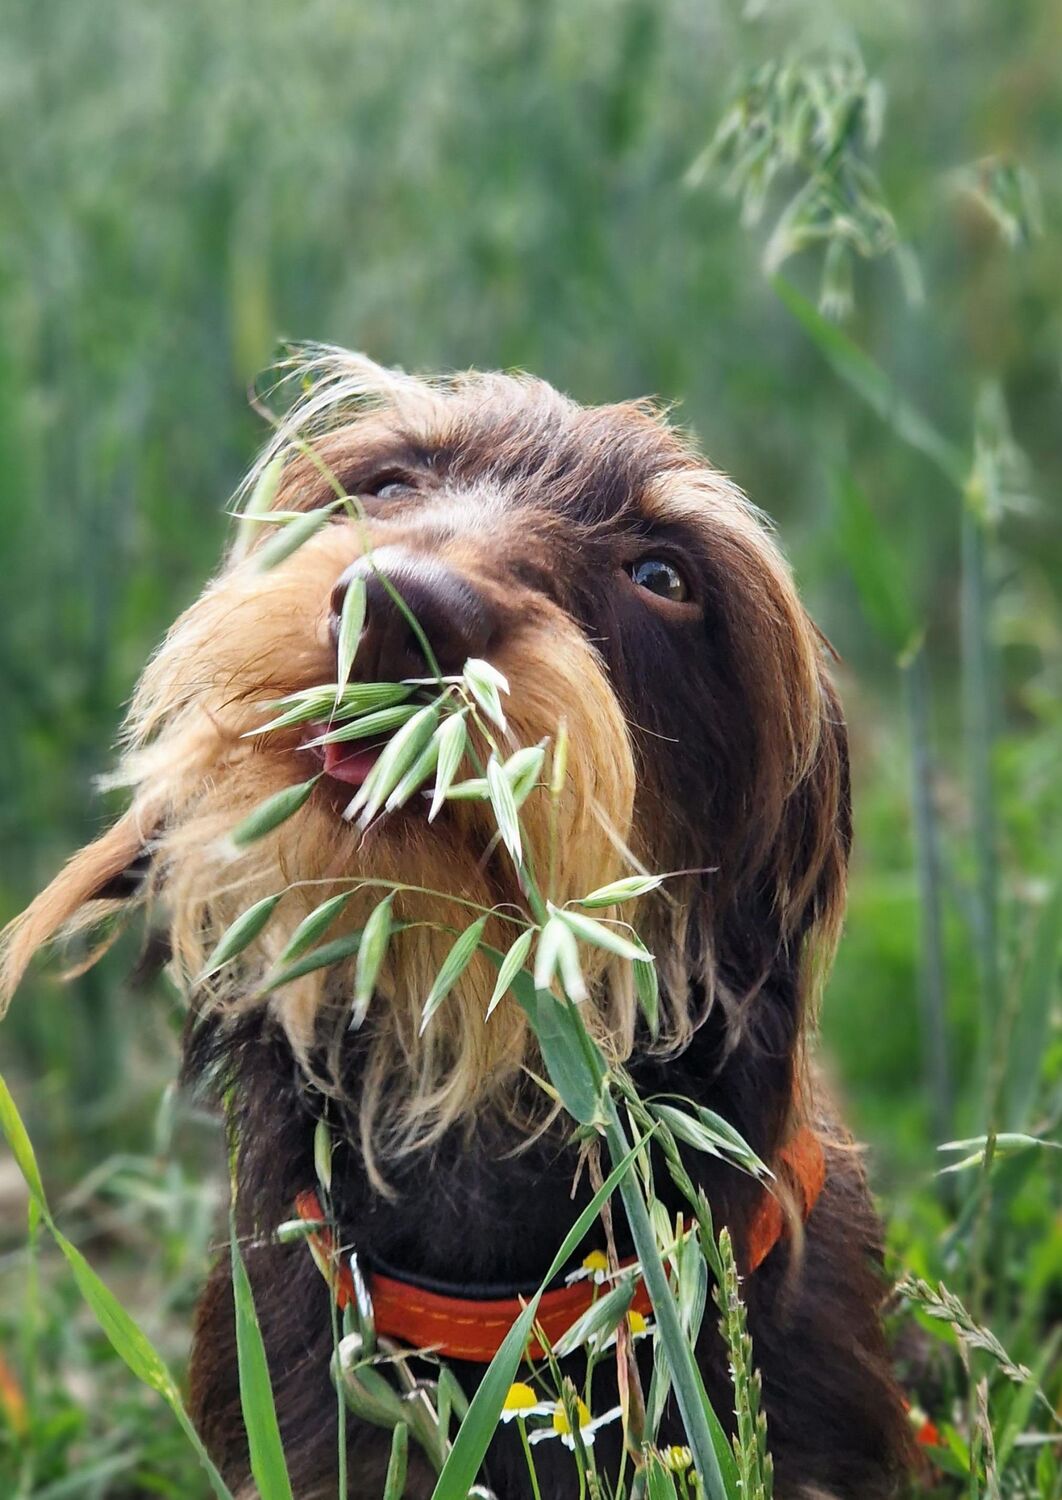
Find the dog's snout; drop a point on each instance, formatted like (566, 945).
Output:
(456, 620)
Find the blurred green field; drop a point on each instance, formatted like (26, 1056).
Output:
(508, 183)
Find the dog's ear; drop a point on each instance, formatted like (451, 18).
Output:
(107, 874)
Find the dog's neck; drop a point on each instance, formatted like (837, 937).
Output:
(483, 1199)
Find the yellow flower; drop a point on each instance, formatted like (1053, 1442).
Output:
(677, 1459)
(594, 1268)
(561, 1426)
(521, 1401)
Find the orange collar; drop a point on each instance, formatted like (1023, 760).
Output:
(472, 1328)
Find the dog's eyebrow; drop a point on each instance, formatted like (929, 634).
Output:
(366, 461)
(697, 498)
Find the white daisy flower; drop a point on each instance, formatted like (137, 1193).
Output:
(594, 1268)
(561, 1427)
(521, 1401)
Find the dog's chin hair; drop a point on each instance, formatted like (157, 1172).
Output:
(195, 776)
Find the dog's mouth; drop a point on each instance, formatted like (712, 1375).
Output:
(348, 764)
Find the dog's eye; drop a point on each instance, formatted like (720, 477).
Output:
(660, 578)
(388, 486)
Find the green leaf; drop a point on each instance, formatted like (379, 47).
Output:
(871, 383)
(123, 1334)
(573, 1060)
(313, 925)
(256, 1391)
(351, 623)
(239, 934)
(622, 890)
(20, 1143)
(293, 536)
(601, 936)
(273, 811)
(504, 805)
(600, 1320)
(317, 958)
(450, 741)
(511, 965)
(659, 1483)
(395, 1483)
(475, 1433)
(485, 683)
(875, 567)
(453, 966)
(371, 954)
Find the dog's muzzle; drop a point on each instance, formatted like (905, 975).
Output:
(456, 620)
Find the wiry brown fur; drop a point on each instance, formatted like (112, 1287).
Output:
(704, 738)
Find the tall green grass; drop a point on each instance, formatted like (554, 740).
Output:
(508, 185)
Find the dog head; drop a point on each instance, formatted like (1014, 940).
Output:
(627, 591)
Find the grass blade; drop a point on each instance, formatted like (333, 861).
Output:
(475, 1433)
(875, 567)
(1032, 1025)
(256, 1391)
(122, 1332)
(870, 382)
(647, 992)
(711, 1449)
(601, 1318)
(573, 1061)
(395, 1483)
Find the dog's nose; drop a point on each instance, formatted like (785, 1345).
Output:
(457, 622)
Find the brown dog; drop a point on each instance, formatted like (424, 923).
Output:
(628, 589)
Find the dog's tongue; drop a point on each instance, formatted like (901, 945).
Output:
(351, 766)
